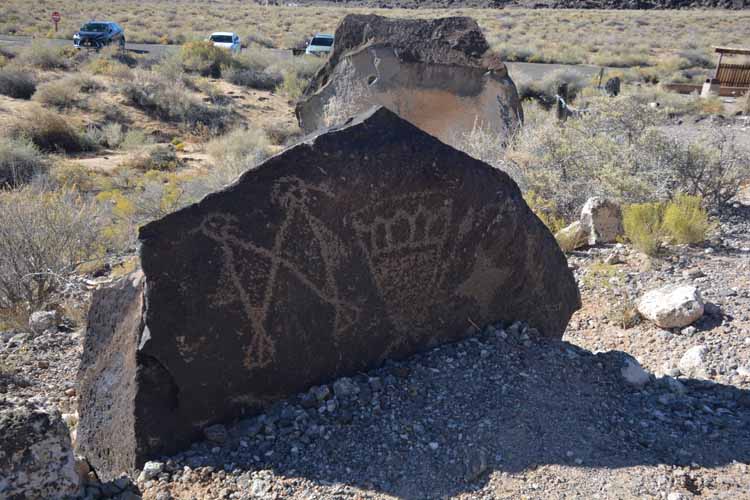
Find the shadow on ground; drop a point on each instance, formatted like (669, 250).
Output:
(464, 410)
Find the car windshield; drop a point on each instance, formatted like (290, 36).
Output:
(221, 38)
(324, 41)
(95, 27)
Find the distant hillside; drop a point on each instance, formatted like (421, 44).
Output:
(558, 4)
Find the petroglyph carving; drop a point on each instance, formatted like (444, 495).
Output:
(251, 271)
(368, 241)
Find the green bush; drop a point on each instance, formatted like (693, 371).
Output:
(205, 58)
(685, 220)
(44, 237)
(643, 226)
(16, 83)
(20, 161)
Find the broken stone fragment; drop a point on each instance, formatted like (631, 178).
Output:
(36, 455)
(438, 74)
(601, 220)
(366, 242)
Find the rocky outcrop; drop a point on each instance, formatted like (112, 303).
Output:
(601, 219)
(672, 306)
(539, 4)
(367, 242)
(600, 222)
(438, 74)
(36, 456)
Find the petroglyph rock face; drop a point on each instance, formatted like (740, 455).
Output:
(438, 74)
(369, 241)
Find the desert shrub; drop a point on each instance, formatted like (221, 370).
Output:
(252, 78)
(713, 168)
(44, 237)
(159, 158)
(58, 93)
(134, 139)
(171, 101)
(20, 161)
(256, 59)
(72, 175)
(685, 220)
(544, 91)
(546, 211)
(112, 135)
(243, 148)
(17, 83)
(205, 58)
(643, 226)
(44, 55)
(49, 131)
(282, 133)
(624, 314)
(292, 85)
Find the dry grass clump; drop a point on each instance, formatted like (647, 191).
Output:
(248, 77)
(58, 93)
(49, 131)
(20, 161)
(43, 55)
(160, 158)
(17, 83)
(44, 237)
(242, 147)
(171, 101)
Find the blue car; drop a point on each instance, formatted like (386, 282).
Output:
(98, 34)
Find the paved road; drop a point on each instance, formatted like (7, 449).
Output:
(517, 70)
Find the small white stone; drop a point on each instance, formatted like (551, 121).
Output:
(434, 445)
(634, 374)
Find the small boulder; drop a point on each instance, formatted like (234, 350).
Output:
(216, 433)
(601, 219)
(693, 360)
(36, 455)
(634, 374)
(41, 321)
(672, 306)
(571, 237)
(345, 388)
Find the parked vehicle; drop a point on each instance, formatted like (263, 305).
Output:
(97, 34)
(226, 40)
(320, 44)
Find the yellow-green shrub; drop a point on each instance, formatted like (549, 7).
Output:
(643, 226)
(685, 220)
(205, 58)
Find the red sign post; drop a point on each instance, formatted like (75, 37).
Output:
(56, 19)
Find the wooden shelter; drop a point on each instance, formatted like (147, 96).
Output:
(728, 79)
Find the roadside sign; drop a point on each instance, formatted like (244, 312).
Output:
(56, 18)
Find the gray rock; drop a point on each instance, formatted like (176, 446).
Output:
(672, 306)
(438, 74)
(150, 471)
(634, 374)
(345, 388)
(36, 455)
(216, 434)
(41, 321)
(693, 360)
(601, 220)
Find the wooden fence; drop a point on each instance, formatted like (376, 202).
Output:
(734, 75)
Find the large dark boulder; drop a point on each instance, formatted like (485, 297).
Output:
(439, 74)
(365, 242)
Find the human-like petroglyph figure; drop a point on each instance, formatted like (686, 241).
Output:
(252, 271)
